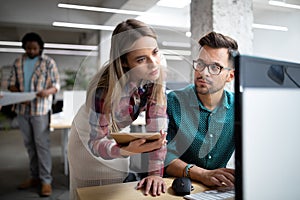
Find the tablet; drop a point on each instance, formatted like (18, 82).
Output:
(125, 138)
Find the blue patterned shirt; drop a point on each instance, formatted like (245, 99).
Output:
(197, 135)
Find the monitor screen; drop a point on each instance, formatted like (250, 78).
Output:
(267, 129)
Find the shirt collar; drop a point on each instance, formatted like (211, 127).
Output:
(226, 101)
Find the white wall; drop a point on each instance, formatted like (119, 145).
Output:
(278, 44)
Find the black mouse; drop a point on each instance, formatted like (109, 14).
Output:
(182, 186)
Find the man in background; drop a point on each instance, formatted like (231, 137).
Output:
(201, 117)
(35, 72)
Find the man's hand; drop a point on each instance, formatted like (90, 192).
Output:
(153, 184)
(46, 92)
(42, 93)
(13, 89)
(0, 98)
(217, 177)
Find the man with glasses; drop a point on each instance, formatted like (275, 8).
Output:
(201, 117)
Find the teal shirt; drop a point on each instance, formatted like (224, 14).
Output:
(29, 66)
(197, 135)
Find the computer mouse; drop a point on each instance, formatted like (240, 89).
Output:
(182, 186)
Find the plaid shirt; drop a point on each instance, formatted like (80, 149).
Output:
(132, 102)
(45, 75)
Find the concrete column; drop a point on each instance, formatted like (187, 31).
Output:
(229, 17)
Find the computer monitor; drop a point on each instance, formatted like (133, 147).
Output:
(267, 129)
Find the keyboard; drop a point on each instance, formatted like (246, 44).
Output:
(212, 195)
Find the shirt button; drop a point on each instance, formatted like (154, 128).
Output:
(211, 135)
(209, 156)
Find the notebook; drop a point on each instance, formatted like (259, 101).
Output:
(125, 138)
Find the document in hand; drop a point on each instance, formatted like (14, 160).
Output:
(15, 97)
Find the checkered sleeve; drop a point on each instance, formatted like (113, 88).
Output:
(99, 143)
(156, 120)
(54, 75)
(12, 77)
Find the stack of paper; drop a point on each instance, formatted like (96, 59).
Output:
(8, 98)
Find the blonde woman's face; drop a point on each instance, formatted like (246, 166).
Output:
(144, 59)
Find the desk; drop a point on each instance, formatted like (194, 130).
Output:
(58, 121)
(127, 191)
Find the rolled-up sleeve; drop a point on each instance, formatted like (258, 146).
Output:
(11, 81)
(99, 143)
(54, 75)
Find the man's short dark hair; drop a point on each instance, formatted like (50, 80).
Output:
(32, 37)
(218, 40)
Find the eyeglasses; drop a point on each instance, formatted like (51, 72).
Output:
(213, 69)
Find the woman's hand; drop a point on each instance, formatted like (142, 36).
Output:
(141, 146)
(153, 184)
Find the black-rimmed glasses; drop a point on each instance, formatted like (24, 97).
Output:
(213, 69)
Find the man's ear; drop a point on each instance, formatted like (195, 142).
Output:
(230, 76)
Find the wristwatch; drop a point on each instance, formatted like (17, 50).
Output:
(188, 169)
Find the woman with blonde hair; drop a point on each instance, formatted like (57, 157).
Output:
(131, 82)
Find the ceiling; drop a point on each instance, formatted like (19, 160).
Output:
(18, 17)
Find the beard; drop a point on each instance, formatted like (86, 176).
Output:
(204, 90)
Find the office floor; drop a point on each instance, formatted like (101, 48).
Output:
(14, 168)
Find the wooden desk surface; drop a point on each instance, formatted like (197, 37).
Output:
(127, 191)
(58, 121)
(61, 125)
